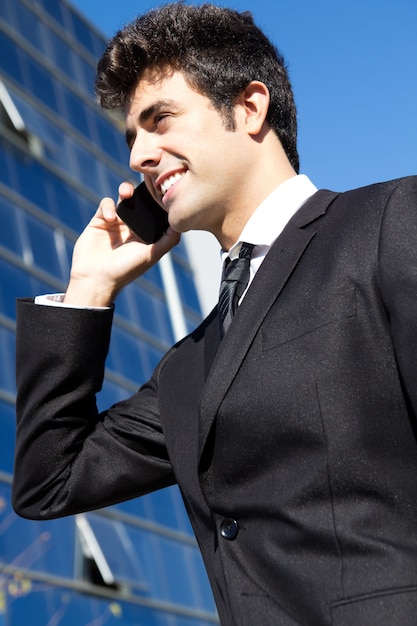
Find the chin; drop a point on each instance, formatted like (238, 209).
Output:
(183, 222)
(179, 223)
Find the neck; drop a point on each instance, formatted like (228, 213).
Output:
(235, 222)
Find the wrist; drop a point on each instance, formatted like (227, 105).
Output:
(88, 293)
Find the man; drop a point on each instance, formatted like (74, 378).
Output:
(292, 438)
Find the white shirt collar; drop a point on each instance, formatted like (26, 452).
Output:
(273, 214)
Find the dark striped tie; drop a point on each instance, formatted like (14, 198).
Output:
(234, 282)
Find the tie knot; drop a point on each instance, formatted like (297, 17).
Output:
(246, 250)
(238, 268)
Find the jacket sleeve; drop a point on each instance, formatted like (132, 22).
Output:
(69, 458)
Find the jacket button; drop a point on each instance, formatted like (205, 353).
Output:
(228, 528)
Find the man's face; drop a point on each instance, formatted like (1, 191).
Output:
(193, 166)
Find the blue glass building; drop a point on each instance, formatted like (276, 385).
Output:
(137, 563)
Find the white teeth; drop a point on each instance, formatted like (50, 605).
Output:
(168, 182)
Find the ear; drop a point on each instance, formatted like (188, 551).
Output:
(254, 103)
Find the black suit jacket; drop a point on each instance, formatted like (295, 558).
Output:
(292, 441)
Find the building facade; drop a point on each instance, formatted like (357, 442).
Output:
(136, 563)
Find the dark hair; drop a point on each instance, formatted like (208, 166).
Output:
(220, 51)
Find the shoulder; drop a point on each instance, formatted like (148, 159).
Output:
(380, 191)
(367, 207)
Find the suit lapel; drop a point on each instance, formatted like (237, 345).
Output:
(211, 341)
(265, 288)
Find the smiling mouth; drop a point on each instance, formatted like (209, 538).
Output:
(170, 181)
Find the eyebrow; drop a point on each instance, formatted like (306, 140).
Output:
(148, 113)
(155, 108)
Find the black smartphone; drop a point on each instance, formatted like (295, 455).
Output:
(143, 215)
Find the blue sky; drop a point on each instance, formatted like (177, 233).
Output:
(353, 65)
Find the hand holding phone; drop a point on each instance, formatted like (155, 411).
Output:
(143, 215)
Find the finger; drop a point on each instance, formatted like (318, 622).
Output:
(125, 190)
(107, 210)
(168, 240)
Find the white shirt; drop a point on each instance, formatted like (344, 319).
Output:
(270, 219)
(262, 228)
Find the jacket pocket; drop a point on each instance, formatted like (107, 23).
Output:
(334, 308)
(394, 607)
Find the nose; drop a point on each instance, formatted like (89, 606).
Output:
(144, 153)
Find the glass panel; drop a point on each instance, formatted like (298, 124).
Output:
(185, 282)
(41, 84)
(6, 11)
(64, 248)
(151, 359)
(176, 565)
(63, 56)
(60, 90)
(8, 357)
(168, 509)
(99, 44)
(122, 153)
(46, 546)
(43, 246)
(111, 140)
(153, 275)
(137, 507)
(10, 58)
(150, 312)
(5, 161)
(113, 551)
(181, 251)
(40, 126)
(192, 321)
(125, 355)
(52, 195)
(87, 167)
(147, 546)
(87, 74)
(29, 26)
(30, 180)
(173, 570)
(82, 32)
(54, 8)
(8, 428)
(14, 283)
(110, 394)
(17, 283)
(164, 507)
(200, 581)
(76, 112)
(112, 181)
(65, 204)
(65, 607)
(39, 287)
(9, 231)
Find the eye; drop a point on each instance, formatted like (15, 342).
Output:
(161, 119)
(130, 139)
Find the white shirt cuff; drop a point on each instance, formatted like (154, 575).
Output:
(56, 299)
